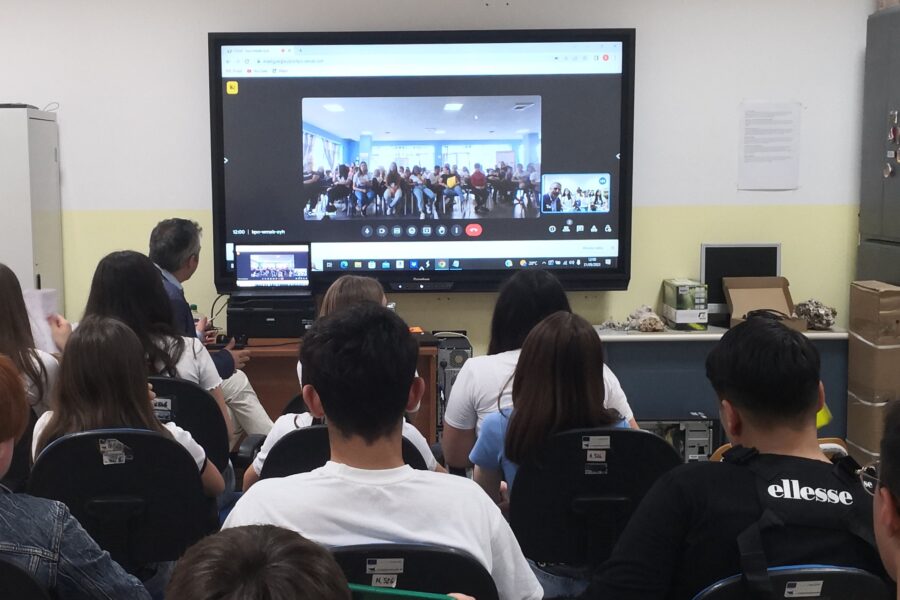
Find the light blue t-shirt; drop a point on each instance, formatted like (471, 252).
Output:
(489, 453)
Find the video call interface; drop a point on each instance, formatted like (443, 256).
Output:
(422, 157)
(270, 265)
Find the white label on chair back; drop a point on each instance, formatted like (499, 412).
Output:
(113, 451)
(384, 565)
(596, 469)
(596, 455)
(388, 580)
(803, 589)
(163, 408)
(594, 441)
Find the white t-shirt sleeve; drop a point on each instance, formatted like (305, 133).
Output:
(200, 365)
(282, 426)
(51, 366)
(509, 569)
(418, 440)
(184, 438)
(38, 429)
(615, 395)
(460, 412)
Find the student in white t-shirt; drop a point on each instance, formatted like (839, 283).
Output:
(126, 286)
(346, 291)
(37, 368)
(103, 384)
(359, 372)
(484, 383)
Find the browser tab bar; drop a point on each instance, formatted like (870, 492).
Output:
(423, 60)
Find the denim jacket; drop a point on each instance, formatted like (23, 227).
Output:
(42, 537)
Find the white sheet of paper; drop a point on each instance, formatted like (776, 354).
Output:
(41, 304)
(769, 146)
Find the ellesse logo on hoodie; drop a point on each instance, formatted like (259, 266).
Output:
(790, 489)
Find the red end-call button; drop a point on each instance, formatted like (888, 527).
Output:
(473, 230)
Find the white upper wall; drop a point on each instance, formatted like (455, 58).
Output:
(132, 84)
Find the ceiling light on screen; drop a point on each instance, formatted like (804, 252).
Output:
(523, 130)
(440, 131)
(331, 107)
(453, 106)
(365, 133)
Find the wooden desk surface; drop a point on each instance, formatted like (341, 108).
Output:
(272, 370)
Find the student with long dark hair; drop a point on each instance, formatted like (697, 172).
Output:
(17, 342)
(558, 385)
(41, 536)
(127, 287)
(525, 299)
(103, 384)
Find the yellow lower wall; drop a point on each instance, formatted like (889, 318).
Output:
(818, 257)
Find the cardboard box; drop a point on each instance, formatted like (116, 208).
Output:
(875, 312)
(745, 294)
(865, 421)
(684, 304)
(872, 371)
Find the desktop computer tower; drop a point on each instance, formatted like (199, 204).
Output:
(695, 440)
(453, 352)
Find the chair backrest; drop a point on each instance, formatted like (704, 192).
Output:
(806, 581)
(370, 592)
(832, 447)
(195, 410)
(296, 405)
(571, 505)
(307, 448)
(137, 492)
(18, 584)
(420, 567)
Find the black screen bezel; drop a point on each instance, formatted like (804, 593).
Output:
(616, 278)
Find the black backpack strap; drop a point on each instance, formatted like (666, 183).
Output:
(754, 563)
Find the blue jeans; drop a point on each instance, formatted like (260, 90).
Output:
(420, 191)
(393, 198)
(364, 198)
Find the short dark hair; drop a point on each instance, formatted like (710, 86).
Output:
(889, 473)
(768, 370)
(525, 300)
(257, 562)
(361, 361)
(173, 241)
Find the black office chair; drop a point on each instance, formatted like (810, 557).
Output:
(18, 584)
(296, 405)
(138, 493)
(420, 567)
(195, 410)
(806, 581)
(571, 506)
(305, 449)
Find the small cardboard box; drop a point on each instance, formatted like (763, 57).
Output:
(684, 304)
(745, 294)
(872, 372)
(865, 421)
(875, 311)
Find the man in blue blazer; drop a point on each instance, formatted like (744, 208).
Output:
(175, 249)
